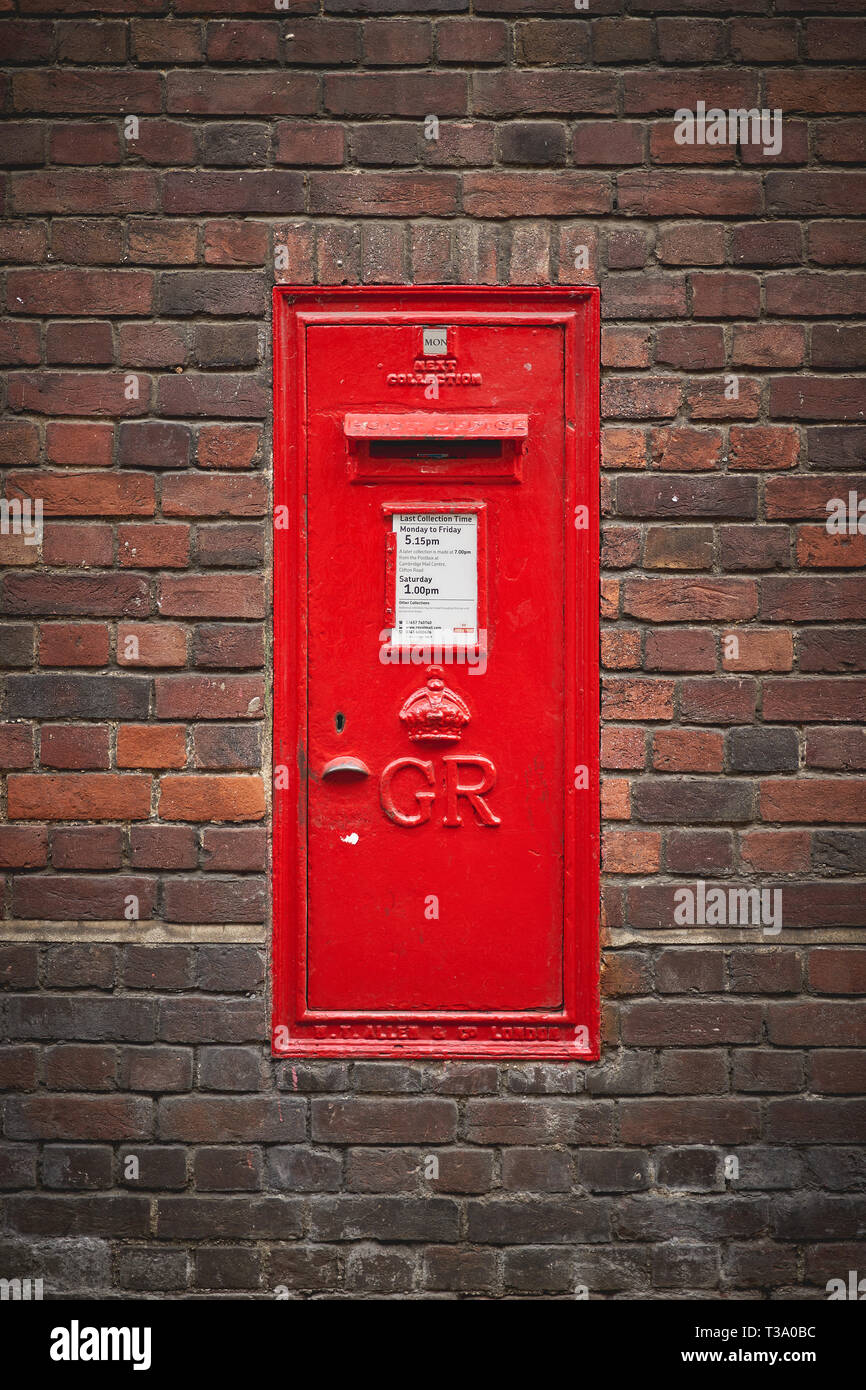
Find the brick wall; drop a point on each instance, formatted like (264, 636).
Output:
(712, 1150)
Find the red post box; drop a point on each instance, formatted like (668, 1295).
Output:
(436, 726)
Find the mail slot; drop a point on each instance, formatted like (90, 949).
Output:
(436, 723)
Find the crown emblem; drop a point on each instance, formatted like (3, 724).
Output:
(434, 714)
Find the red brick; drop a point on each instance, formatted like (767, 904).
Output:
(625, 347)
(73, 644)
(622, 40)
(802, 700)
(620, 547)
(23, 846)
(151, 745)
(23, 243)
(817, 550)
(764, 40)
(155, 242)
(228, 645)
(677, 649)
(53, 90)
(687, 750)
(680, 449)
(691, 346)
(837, 243)
(157, 644)
(165, 142)
(86, 241)
(623, 447)
(678, 548)
(396, 42)
(631, 851)
(807, 497)
(764, 447)
(234, 851)
(760, 649)
(837, 971)
(834, 748)
(767, 243)
(16, 745)
(818, 91)
(665, 149)
(615, 798)
(163, 847)
(768, 345)
(472, 41)
(815, 294)
(79, 445)
(86, 343)
(817, 398)
(690, 599)
(707, 399)
(235, 243)
(85, 41)
(513, 194)
(59, 897)
(607, 143)
(29, 40)
(67, 543)
(77, 393)
(637, 699)
(244, 42)
(691, 243)
(87, 847)
(620, 649)
(775, 851)
(633, 398)
(153, 547)
(19, 443)
(85, 796)
(19, 343)
(73, 595)
(209, 697)
(310, 143)
(623, 748)
(86, 494)
(210, 596)
(212, 495)
(808, 799)
(210, 798)
(688, 193)
(718, 700)
(804, 599)
(85, 143)
(161, 41)
(247, 94)
(87, 191)
(691, 40)
(75, 746)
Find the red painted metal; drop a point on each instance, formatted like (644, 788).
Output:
(435, 858)
(418, 424)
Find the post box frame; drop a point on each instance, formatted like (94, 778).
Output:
(550, 1034)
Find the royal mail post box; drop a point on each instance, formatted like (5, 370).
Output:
(436, 728)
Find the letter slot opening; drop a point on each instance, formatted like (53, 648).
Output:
(432, 445)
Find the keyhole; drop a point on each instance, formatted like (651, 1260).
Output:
(340, 721)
